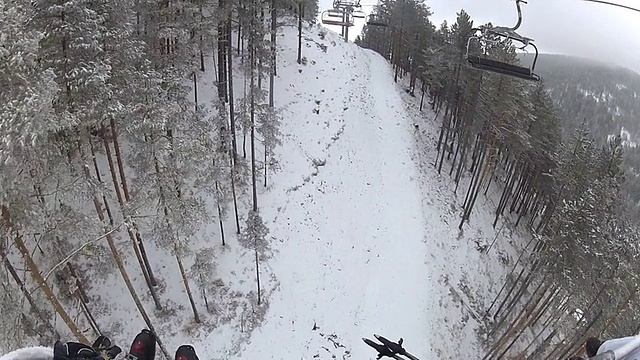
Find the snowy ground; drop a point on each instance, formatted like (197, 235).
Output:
(363, 229)
(368, 242)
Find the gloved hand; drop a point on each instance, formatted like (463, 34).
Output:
(74, 351)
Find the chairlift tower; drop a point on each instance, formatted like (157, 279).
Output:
(343, 14)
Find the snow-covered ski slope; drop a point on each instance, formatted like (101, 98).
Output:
(368, 242)
(364, 231)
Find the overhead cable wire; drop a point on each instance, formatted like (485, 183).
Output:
(613, 4)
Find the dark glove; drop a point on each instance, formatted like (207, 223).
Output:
(74, 351)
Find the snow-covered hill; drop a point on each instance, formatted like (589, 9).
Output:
(363, 230)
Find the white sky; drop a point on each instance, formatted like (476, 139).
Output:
(571, 27)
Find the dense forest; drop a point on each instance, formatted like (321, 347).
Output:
(105, 151)
(577, 276)
(109, 87)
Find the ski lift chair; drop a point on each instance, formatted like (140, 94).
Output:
(335, 13)
(346, 3)
(504, 35)
(335, 17)
(376, 20)
(358, 14)
(482, 62)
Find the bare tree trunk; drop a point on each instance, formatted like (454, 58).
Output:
(185, 281)
(118, 259)
(300, 9)
(26, 292)
(506, 281)
(170, 224)
(274, 31)
(220, 216)
(253, 127)
(222, 47)
(90, 318)
(265, 164)
(127, 198)
(235, 197)
(232, 115)
(204, 296)
(252, 53)
(255, 250)
(195, 90)
(130, 231)
(37, 276)
(200, 47)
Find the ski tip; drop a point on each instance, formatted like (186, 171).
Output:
(370, 342)
(380, 337)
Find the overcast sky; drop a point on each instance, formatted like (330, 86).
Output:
(571, 27)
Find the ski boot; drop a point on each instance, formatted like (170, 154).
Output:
(143, 346)
(103, 346)
(186, 352)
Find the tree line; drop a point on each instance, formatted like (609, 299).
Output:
(103, 138)
(576, 277)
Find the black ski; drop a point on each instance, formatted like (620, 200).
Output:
(383, 351)
(102, 342)
(389, 348)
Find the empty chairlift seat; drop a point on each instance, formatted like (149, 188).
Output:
(376, 20)
(486, 64)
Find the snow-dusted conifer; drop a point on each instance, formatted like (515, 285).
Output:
(204, 273)
(254, 237)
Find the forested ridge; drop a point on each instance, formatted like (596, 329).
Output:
(604, 97)
(577, 276)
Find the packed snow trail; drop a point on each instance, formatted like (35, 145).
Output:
(352, 257)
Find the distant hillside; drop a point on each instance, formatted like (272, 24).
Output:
(606, 96)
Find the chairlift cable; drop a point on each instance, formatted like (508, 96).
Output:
(613, 4)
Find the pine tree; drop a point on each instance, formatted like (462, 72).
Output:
(254, 237)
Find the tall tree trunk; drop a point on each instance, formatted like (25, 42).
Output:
(127, 197)
(235, 197)
(252, 110)
(26, 293)
(272, 73)
(92, 321)
(195, 91)
(300, 9)
(185, 281)
(37, 276)
(118, 258)
(252, 52)
(204, 296)
(222, 73)
(130, 231)
(232, 114)
(255, 250)
(232, 119)
(220, 218)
